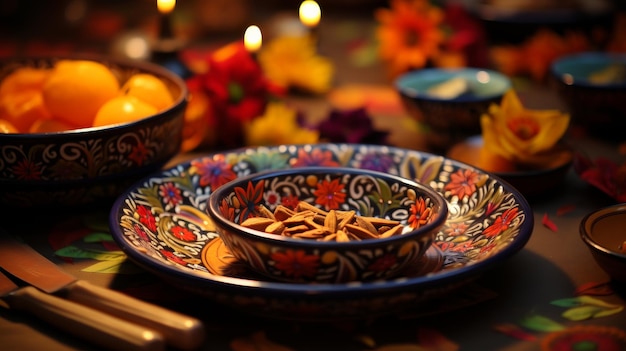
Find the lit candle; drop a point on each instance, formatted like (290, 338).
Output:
(310, 13)
(165, 8)
(252, 39)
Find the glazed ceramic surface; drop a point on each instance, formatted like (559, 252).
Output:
(162, 225)
(450, 120)
(602, 232)
(598, 105)
(313, 252)
(83, 166)
(533, 183)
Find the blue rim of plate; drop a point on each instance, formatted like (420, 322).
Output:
(496, 195)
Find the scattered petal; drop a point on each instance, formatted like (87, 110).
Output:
(595, 289)
(548, 223)
(565, 210)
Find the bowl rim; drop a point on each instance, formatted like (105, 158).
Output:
(587, 223)
(429, 228)
(144, 66)
(401, 81)
(562, 75)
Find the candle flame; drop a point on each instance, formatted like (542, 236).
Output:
(166, 6)
(310, 13)
(252, 38)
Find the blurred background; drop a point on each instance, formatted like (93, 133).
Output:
(30, 26)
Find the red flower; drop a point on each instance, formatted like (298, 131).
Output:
(237, 90)
(463, 183)
(138, 154)
(140, 232)
(330, 194)
(290, 201)
(170, 194)
(420, 214)
(213, 171)
(314, 157)
(249, 198)
(183, 233)
(146, 217)
(226, 210)
(27, 170)
(170, 256)
(296, 263)
(456, 229)
(461, 247)
(383, 263)
(603, 174)
(501, 223)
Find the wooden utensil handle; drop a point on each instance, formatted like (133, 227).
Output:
(84, 322)
(179, 330)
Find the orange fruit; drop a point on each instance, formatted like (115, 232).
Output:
(150, 89)
(6, 127)
(49, 126)
(23, 108)
(24, 78)
(76, 89)
(123, 109)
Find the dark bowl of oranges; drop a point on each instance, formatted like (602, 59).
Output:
(79, 130)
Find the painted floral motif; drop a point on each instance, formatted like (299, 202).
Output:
(329, 194)
(154, 213)
(296, 264)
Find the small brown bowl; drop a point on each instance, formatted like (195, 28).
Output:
(602, 231)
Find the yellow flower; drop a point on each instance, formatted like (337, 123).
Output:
(520, 134)
(277, 126)
(292, 62)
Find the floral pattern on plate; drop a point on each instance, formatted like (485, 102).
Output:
(161, 223)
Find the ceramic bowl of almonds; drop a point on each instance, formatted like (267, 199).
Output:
(327, 224)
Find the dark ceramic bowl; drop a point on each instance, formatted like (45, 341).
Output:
(593, 86)
(453, 118)
(535, 182)
(91, 165)
(602, 231)
(331, 247)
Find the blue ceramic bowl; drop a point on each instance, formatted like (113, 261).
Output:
(331, 247)
(593, 86)
(90, 166)
(453, 114)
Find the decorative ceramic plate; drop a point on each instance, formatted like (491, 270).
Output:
(161, 223)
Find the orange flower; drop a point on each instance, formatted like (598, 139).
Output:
(536, 54)
(519, 134)
(409, 34)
